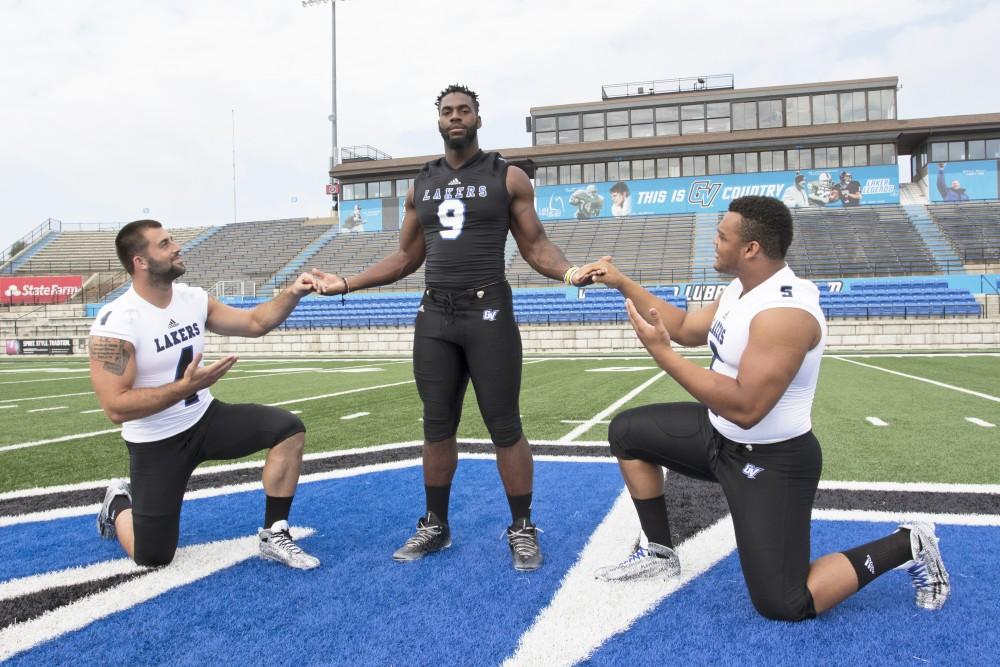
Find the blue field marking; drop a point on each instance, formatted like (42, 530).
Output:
(467, 605)
(464, 606)
(712, 621)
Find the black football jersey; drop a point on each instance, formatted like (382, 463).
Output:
(465, 215)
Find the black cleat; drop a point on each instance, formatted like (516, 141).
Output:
(431, 536)
(522, 537)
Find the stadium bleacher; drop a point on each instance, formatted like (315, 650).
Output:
(394, 310)
(972, 227)
(865, 241)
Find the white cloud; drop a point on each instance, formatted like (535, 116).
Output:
(109, 108)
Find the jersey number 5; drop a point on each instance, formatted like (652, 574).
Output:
(451, 213)
(187, 356)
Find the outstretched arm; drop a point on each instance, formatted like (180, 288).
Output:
(687, 328)
(229, 321)
(542, 255)
(396, 266)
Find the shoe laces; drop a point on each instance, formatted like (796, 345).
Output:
(282, 539)
(425, 533)
(637, 555)
(524, 540)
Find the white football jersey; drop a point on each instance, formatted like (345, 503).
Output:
(728, 338)
(165, 340)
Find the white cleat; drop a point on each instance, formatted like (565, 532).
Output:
(276, 544)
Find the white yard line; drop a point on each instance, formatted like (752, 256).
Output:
(45, 398)
(875, 421)
(342, 393)
(7, 407)
(582, 421)
(356, 415)
(606, 412)
(88, 412)
(980, 422)
(50, 409)
(80, 436)
(83, 376)
(920, 379)
(65, 438)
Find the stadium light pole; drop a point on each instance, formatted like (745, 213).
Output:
(334, 154)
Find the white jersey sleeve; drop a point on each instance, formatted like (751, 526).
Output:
(165, 341)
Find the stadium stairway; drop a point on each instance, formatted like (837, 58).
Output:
(703, 253)
(941, 249)
(187, 247)
(25, 256)
(295, 265)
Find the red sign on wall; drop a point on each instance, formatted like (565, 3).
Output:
(38, 289)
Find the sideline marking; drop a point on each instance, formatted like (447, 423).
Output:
(920, 379)
(606, 412)
(875, 421)
(980, 422)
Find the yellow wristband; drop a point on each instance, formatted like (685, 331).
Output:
(570, 272)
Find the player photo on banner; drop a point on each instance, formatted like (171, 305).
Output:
(844, 187)
(362, 215)
(962, 181)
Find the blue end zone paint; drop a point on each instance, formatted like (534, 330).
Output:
(713, 621)
(464, 606)
(467, 605)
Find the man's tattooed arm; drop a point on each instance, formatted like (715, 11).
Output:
(112, 352)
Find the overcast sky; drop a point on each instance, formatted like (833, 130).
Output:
(113, 110)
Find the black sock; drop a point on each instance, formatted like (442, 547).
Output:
(437, 500)
(276, 509)
(654, 520)
(876, 558)
(118, 504)
(520, 507)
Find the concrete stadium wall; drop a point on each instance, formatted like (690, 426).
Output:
(844, 335)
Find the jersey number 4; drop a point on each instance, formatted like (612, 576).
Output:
(451, 213)
(187, 355)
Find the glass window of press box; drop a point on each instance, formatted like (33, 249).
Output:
(794, 159)
(974, 149)
(706, 117)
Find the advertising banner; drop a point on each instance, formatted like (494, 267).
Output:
(30, 290)
(808, 188)
(361, 215)
(47, 346)
(962, 181)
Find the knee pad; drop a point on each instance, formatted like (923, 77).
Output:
(777, 609)
(157, 557)
(618, 434)
(289, 426)
(505, 431)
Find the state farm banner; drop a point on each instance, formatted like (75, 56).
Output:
(38, 289)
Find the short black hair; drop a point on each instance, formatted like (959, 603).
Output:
(458, 88)
(620, 188)
(131, 241)
(767, 221)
